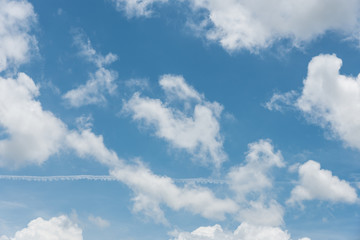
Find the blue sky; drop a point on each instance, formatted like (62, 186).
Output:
(182, 120)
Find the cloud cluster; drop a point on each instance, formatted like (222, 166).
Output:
(316, 183)
(328, 98)
(100, 82)
(57, 228)
(244, 232)
(195, 129)
(33, 135)
(16, 20)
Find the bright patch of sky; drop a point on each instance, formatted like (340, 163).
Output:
(183, 120)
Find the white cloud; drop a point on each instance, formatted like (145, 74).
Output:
(251, 182)
(176, 87)
(99, 221)
(92, 92)
(262, 212)
(100, 82)
(57, 228)
(16, 19)
(31, 133)
(316, 183)
(87, 144)
(253, 176)
(244, 232)
(329, 99)
(279, 101)
(332, 99)
(137, 8)
(199, 133)
(257, 24)
(152, 190)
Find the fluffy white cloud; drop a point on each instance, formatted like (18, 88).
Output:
(197, 132)
(252, 177)
(257, 24)
(136, 8)
(244, 232)
(152, 190)
(57, 228)
(328, 98)
(332, 99)
(30, 134)
(16, 19)
(316, 183)
(87, 144)
(251, 182)
(101, 82)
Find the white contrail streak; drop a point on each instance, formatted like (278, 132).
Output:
(99, 178)
(58, 178)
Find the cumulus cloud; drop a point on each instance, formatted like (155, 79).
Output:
(16, 20)
(257, 24)
(31, 134)
(316, 183)
(251, 183)
(195, 128)
(329, 99)
(100, 82)
(244, 232)
(260, 158)
(137, 8)
(152, 190)
(57, 228)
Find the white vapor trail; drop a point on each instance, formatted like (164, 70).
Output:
(58, 178)
(99, 178)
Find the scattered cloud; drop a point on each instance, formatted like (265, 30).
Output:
(244, 232)
(16, 20)
(256, 25)
(195, 128)
(328, 99)
(316, 183)
(100, 82)
(137, 8)
(57, 228)
(98, 221)
(32, 134)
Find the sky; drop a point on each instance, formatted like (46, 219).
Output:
(179, 120)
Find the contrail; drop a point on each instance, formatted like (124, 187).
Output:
(99, 178)
(58, 178)
(107, 178)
